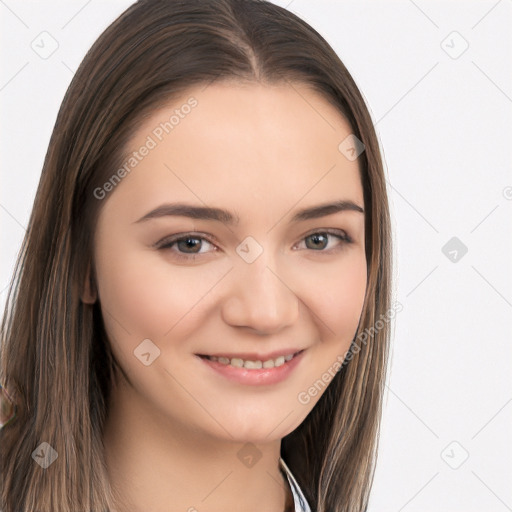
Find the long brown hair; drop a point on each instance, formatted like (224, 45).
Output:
(56, 362)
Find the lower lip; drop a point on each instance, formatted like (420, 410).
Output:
(261, 377)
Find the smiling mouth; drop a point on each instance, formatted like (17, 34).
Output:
(254, 364)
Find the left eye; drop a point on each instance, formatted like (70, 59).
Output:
(321, 237)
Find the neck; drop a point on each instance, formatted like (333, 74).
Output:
(157, 464)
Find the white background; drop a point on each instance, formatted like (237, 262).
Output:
(444, 119)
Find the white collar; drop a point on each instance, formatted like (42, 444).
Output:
(300, 503)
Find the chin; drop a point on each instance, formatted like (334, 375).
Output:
(260, 428)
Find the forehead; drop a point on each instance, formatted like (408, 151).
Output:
(237, 144)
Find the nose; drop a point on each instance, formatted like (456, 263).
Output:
(259, 298)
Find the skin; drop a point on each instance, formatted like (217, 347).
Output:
(262, 152)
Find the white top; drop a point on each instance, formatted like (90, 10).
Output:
(301, 505)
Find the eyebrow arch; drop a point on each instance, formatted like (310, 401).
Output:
(226, 217)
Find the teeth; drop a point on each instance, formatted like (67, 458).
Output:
(279, 361)
(252, 365)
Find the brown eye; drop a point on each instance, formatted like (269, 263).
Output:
(186, 244)
(320, 241)
(185, 247)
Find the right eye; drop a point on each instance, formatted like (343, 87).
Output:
(184, 242)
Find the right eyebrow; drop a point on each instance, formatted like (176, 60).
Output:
(191, 211)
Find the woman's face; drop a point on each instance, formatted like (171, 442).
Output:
(256, 283)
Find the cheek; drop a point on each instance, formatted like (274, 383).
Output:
(348, 292)
(336, 300)
(147, 295)
(335, 293)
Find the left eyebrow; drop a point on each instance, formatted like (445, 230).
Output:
(323, 210)
(226, 217)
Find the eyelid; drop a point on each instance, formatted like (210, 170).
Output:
(186, 234)
(330, 231)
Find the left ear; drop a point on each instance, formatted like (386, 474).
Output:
(90, 292)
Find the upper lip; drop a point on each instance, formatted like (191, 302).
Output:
(253, 356)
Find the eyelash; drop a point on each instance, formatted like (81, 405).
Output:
(167, 243)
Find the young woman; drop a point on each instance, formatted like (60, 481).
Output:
(208, 250)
